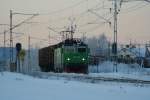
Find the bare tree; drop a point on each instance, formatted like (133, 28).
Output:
(98, 45)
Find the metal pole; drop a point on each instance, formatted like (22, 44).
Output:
(4, 44)
(115, 32)
(11, 40)
(19, 69)
(29, 54)
(11, 44)
(115, 22)
(5, 48)
(49, 38)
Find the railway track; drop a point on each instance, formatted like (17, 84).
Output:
(87, 78)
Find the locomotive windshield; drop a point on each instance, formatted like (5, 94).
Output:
(81, 49)
(69, 48)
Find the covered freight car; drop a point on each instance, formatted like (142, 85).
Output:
(147, 62)
(46, 59)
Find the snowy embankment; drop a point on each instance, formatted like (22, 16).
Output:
(132, 71)
(121, 76)
(15, 86)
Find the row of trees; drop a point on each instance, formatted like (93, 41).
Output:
(100, 49)
(99, 45)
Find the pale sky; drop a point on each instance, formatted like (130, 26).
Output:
(133, 21)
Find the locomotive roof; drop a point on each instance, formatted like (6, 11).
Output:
(70, 42)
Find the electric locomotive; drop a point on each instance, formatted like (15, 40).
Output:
(69, 56)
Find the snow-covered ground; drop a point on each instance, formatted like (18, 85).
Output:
(107, 69)
(122, 76)
(15, 86)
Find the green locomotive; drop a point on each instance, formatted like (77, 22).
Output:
(70, 55)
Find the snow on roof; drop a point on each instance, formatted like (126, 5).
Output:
(139, 52)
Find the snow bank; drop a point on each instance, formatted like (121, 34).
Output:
(21, 87)
(108, 67)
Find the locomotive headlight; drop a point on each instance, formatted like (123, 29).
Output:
(83, 59)
(68, 59)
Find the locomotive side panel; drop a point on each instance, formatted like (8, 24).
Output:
(58, 63)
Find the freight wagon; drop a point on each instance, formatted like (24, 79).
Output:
(147, 62)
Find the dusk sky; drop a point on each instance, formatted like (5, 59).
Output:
(133, 19)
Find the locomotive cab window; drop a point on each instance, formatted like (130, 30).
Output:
(69, 49)
(81, 49)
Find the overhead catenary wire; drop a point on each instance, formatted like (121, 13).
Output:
(134, 8)
(78, 16)
(60, 11)
(63, 9)
(38, 38)
(86, 24)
